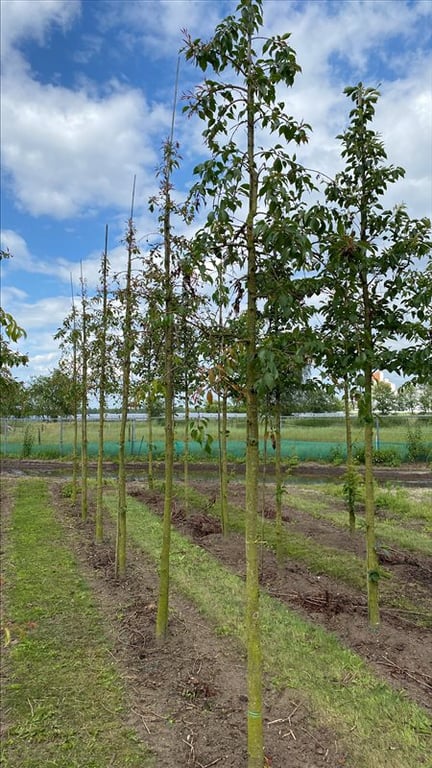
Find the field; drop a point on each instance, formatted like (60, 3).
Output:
(313, 438)
(103, 693)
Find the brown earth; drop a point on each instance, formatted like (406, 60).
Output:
(416, 475)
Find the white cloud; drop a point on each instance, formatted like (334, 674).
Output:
(13, 242)
(24, 19)
(157, 24)
(67, 153)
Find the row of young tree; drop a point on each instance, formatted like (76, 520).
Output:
(286, 272)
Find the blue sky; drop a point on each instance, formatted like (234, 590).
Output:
(86, 104)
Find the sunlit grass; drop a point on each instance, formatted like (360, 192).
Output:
(319, 559)
(391, 529)
(63, 698)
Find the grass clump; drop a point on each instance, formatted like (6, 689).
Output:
(62, 696)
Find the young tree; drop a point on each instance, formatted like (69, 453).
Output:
(407, 397)
(51, 396)
(101, 332)
(170, 162)
(253, 190)
(384, 399)
(128, 298)
(369, 251)
(425, 398)
(69, 339)
(84, 355)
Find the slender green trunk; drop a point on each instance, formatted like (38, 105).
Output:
(75, 403)
(223, 461)
(351, 473)
(278, 478)
(150, 476)
(222, 411)
(253, 632)
(84, 438)
(164, 567)
(120, 555)
(75, 456)
(99, 472)
(102, 387)
(186, 441)
(372, 564)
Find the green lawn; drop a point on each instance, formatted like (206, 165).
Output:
(63, 698)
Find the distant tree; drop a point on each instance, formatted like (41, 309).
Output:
(425, 398)
(407, 397)
(51, 396)
(13, 397)
(384, 399)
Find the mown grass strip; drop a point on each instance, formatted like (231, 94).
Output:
(386, 530)
(380, 727)
(319, 559)
(63, 696)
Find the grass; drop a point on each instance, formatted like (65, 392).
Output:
(63, 697)
(379, 726)
(319, 559)
(315, 502)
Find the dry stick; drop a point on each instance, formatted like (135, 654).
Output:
(404, 671)
(142, 718)
(207, 765)
(190, 744)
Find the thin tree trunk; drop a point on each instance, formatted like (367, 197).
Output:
(186, 441)
(164, 568)
(278, 478)
(102, 387)
(222, 413)
(253, 632)
(223, 462)
(350, 475)
(84, 438)
(150, 476)
(120, 560)
(75, 402)
(372, 563)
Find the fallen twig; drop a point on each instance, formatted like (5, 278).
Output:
(407, 673)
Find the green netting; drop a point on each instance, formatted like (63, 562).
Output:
(303, 450)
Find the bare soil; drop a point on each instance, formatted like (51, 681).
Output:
(415, 475)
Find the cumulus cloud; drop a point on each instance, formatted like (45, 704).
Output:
(28, 19)
(67, 153)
